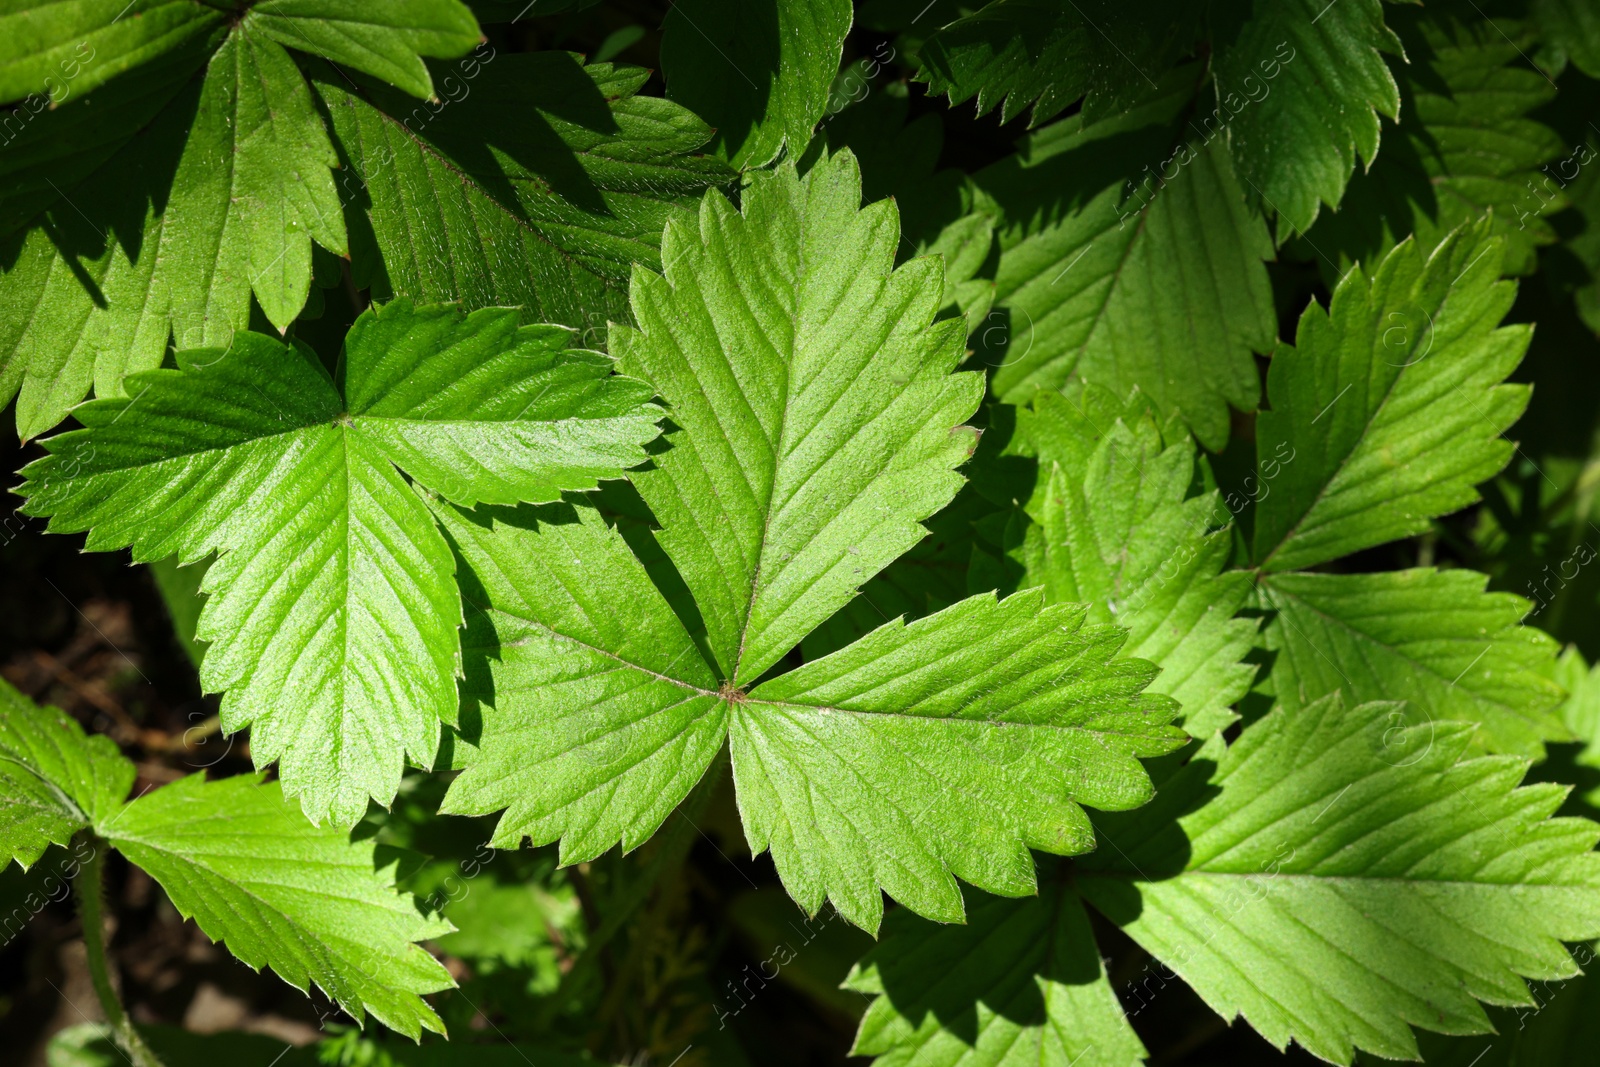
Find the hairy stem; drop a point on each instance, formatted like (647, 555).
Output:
(91, 907)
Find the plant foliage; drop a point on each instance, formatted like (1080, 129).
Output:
(1123, 549)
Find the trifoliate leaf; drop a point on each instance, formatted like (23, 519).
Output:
(758, 71)
(331, 611)
(951, 742)
(239, 860)
(1464, 147)
(162, 205)
(1299, 89)
(54, 781)
(550, 213)
(1337, 877)
(820, 420)
(1113, 526)
(1432, 638)
(1047, 54)
(1391, 402)
(386, 41)
(817, 417)
(1020, 984)
(1573, 26)
(63, 50)
(1129, 278)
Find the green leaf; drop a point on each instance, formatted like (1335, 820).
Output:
(758, 71)
(1114, 526)
(1391, 403)
(984, 726)
(162, 205)
(54, 781)
(331, 612)
(549, 213)
(1020, 984)
(65, 48)
(238, 859)
(1337, 877)
(253, 189)
(951, 742)
(386, 41)
(1465, 147)
(816, 414)
(1572, 26)
(1128, 278)
(819, 416)
(590, 724)
(1319, 71)
(1046, 54)
(1432, 638)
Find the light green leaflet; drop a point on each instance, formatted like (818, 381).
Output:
(1391, 402)
(129, 239)
(332, 613)
(1432, 638)
(1019, 985)
(1299, 89)
(1336, 875)
(758, 71)
(54, 781)
(239, 860)
(1130, 257)
(1113, 526)
(234, 856)
(818, 423)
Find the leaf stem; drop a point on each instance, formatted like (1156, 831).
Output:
(91, 907)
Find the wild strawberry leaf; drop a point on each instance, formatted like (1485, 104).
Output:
(1432, 638)
(820, 418)
(54, 781)
(1129, 257)
(817, 421)
(1017, 53)
(332, 612)
(63, 50)
(451, 202)
(386, 41)
(1573, 27)
(1299, 88)
(1021, 983)
(757, 71)
(1114, 526)
(310, 903)
(1338, 877)
(174, 231)
(1392, 402)
(1465, 146)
